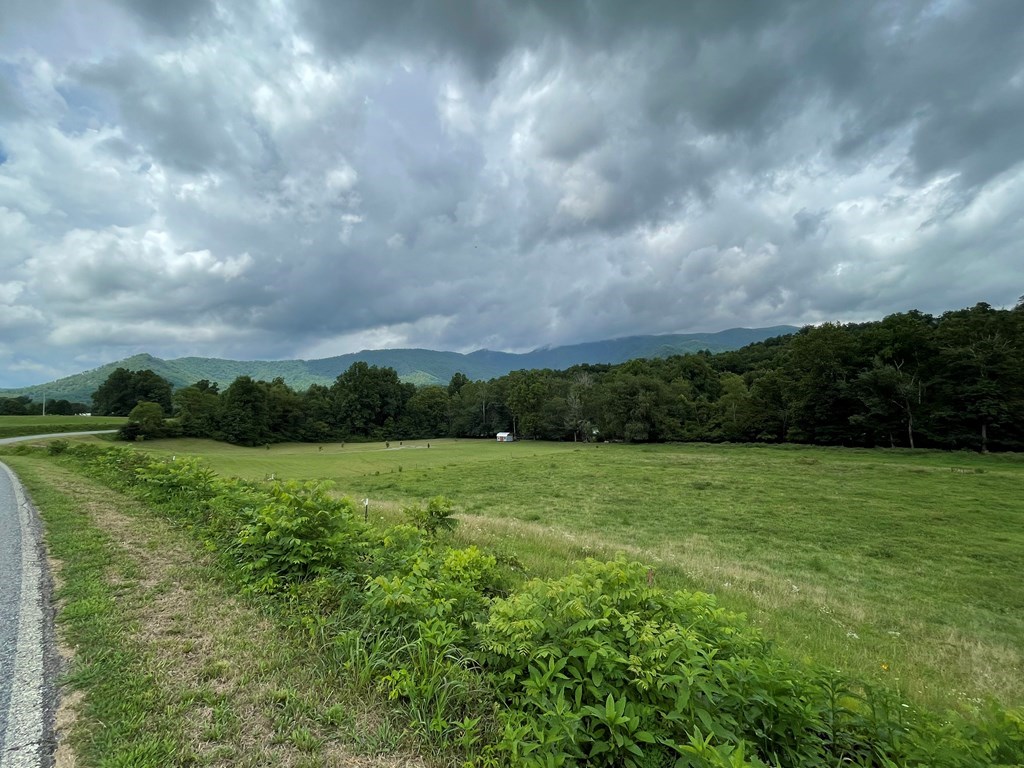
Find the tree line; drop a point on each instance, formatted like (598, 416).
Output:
(910, 380)
(26, 406)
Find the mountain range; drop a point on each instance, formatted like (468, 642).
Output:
(419, 366)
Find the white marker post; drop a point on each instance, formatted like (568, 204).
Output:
(366, 510)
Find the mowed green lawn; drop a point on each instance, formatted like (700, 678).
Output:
(16, 426)
(897, 566)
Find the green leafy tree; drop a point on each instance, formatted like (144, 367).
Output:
(148, 419)
(427, 414)
(891, 397)
(151, 388)
(981, 378)
(318, 418)
(771, 405)
(369, 400)
(578, 419)
(245, 413)
(197, 408)
(285, 412)
(733, 409)
(527, 391)
(479, 409)
(458, 381)
(123, 390)
(116, 395)
(637, 408)
(15, 406)
(820, 362)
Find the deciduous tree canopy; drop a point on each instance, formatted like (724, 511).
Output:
(910, 380)
(125, 389)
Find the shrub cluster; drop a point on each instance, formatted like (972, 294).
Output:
(598, 668)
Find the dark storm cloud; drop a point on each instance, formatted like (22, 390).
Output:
(184, 119)
(477, 34)
(954, 82)
(169, 18)
(268, 179)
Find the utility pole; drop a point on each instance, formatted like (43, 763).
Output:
(44, 402)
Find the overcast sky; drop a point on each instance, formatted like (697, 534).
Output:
(279, 179)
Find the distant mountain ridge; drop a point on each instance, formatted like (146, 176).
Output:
(419, 366)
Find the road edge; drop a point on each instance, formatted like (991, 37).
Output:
(30, 728)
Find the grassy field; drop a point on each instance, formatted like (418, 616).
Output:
(897, 566)
(16, 426)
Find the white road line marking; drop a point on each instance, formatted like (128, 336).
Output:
(23, 740)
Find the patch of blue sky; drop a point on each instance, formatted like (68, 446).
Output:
(87, 108)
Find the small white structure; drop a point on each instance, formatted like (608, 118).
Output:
(506, 437)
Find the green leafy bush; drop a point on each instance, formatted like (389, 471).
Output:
(453, 587)
(297, 533)
(57, 447)
(183, 482)
(604, 668)
(438, 515)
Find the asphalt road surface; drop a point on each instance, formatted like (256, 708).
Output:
(28, 659)
(22, 438)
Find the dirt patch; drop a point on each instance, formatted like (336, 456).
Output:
(67, 715)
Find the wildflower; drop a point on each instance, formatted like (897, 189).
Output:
(885, 667)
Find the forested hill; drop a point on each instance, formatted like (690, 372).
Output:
(910, 380)
(418, 366)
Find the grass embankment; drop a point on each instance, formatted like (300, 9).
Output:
(19, 426)
(895, 566)
(169, 667)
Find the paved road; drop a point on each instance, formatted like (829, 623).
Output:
(22, 438)
(28, 660)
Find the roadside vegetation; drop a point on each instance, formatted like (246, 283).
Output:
(599, 666)
(896, 566)
(168, 666)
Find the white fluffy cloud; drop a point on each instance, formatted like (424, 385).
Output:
(270, 180)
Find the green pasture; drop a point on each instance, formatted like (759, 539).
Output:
(17, 426)
(900, 567)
